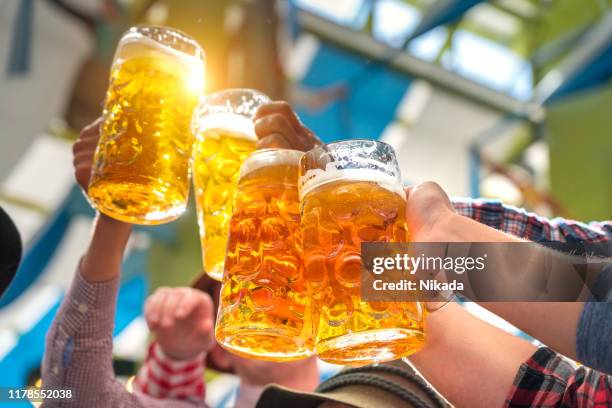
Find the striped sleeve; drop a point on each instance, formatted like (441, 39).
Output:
(163, 377)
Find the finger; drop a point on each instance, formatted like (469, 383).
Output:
(276, 123)
(205, 305)
(83, 156)
(152, 312)
(92, 130)
(208, 333)
(206, 319)
(82, 174)
(282, 108)
(187, 304)
(153, 306)
(273, 141)
(83, 144)
(169, 307)
(313, 139)
(306, 139)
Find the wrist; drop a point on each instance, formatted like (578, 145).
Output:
(103, 258)
(452, 226)
(114, 234)
(179, 355)
(107, 223)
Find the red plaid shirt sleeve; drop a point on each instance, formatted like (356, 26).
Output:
(163, 377)
(528, 225)
(548, 379)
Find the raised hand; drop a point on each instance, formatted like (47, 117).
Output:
(277, 126)
(429, 213)
(182, 321)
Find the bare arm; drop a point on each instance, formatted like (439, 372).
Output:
(431, 218)
(102, 261)
(553, 323)
(590, 345)
(463, 353)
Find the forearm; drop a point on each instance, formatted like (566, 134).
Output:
(463, 351)
(102, 261)
(553, 323)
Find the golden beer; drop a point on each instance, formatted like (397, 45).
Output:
(351, 194)
(225, 137)
(264, 311)
(141, 165)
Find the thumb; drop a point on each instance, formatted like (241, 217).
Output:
(205, 305)
(205, 329)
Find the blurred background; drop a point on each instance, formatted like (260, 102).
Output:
(507, 99)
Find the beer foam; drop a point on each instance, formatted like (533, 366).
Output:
(318, 177)
(146, 45)
(239, 126)
(270, 157)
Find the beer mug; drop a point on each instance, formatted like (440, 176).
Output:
(225, 136)
(264, 311)
(351, 192)
(141, 166)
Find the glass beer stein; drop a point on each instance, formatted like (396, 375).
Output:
(141, 166)
(351, 192)
(264, 311)
(225, 136)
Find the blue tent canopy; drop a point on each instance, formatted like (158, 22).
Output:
(593, 72)
(442, 12)
(370, 104)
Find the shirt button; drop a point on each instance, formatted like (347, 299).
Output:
(55, 370)
(83, 308)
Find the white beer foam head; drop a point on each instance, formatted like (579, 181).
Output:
(134, 44)
(351, 160)
(270, 157)
(146, 45)
(318, 177)
(239, 126)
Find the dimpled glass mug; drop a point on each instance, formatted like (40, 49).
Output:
(350, 193)
(225, 136)
(141, 165)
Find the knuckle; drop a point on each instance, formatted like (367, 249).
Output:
(261, 124)
(284, 105)
(265, 142)
(277, 118)
(159, 292)
(430, 184)
(91, 129)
